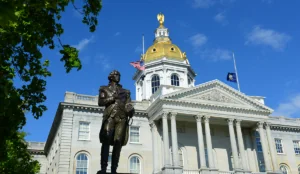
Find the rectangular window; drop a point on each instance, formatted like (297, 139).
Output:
(134, 134)
(297, 147)
(84, 131)
(279, 147)
(258, 142)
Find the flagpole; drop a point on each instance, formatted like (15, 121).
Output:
(237, 77)
(143, 45)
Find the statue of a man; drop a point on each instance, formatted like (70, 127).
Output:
(115, 129)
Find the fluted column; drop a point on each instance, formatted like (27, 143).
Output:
(272, 148)
(200, 142)
(166, 139)
(208, 143)
(264, 146)
(241, 144)
(154, 148)
(174, 139)
(233, 144)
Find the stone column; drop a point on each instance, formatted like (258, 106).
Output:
(249, 147)
(233, 144)
(272, 148)
(154, 148)
(174, 140)
(200, 142)
(241, 144)
(208, 143)
(166, 139)
(264, 146)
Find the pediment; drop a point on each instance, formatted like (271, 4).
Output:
(218, 94)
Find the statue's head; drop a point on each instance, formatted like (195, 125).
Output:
(114, 76)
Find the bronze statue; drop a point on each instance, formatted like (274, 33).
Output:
(115, 128)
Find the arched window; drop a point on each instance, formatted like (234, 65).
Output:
(135, 165)
(174, 80)
(155, 83)
(284, 169)
(82, 164)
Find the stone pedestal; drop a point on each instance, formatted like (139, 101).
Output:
(277, 172)
(209, 171)
(172, 170)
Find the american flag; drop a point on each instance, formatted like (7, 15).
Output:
(138, 65)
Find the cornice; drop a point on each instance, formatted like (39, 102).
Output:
(217, 83)
(208, 106)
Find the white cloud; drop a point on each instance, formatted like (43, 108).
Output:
(203, 3)
(103, 61)
(221, 18)
(216, 54)
(290, 108)
(268, 37)
(117, 33)
(198, 40)
(83, 43)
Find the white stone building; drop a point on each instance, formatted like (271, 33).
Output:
(178, 127)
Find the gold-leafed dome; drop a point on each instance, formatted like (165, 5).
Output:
(162, 46)
(163, 49)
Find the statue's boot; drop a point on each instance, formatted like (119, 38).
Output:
(104, 158)
(115, 157)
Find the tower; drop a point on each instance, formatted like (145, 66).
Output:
(167, 68)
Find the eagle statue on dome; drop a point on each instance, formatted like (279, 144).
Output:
(161, 19)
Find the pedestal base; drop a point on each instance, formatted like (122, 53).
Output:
(172, 170)
(277, 172)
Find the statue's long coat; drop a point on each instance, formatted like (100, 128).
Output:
(110, 106)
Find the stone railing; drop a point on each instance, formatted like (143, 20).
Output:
(36, 145)
(187, 171)
(284, 121)
(72, 97)
(226, 172)
(258, 172)
(163, 90)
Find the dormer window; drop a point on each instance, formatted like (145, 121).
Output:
(154, 50)
(172, 49)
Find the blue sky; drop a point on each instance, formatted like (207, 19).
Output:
(264, 35)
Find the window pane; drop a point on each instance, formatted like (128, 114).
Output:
(135, 165)
(278, 143)
(296, 147)
(84, 131)
(134, 134)
(155, 83)
(81, 164)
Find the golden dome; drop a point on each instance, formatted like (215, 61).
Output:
(163, 49)
(162, 46)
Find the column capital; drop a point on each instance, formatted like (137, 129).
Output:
(230, 121)
(152, 125)
(165, 115)
(206, 118)
(238, 122)
(198, 118)
(260, 124)
(173, 115)
(268, 125)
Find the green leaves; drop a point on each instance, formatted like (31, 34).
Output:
(26, 26)
(70, 57)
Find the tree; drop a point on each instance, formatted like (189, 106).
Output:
(18, 159)
(25, 27)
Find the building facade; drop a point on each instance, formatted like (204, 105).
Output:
(178, 127)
